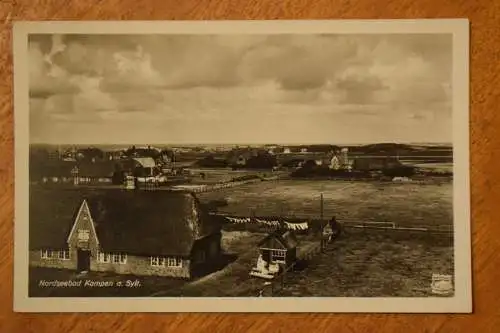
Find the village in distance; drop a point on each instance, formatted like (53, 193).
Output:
(371, 220)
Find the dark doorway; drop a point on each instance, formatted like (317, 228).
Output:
(83, 257)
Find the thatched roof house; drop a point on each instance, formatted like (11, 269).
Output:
(151, 228)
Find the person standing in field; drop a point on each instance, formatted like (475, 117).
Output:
(335, 227)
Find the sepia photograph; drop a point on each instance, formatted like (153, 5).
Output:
(242, 166)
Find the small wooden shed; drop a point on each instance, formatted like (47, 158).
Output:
(277, 250)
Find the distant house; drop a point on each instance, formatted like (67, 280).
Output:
(241, 156)
(335, 163)
(74, 173)
(122, 231)
(90, 154)
(344, 158)
(87, 172)
(92, 173)
(114, 155)
(166, 156)
(69, 155)
(146, 166)
(277, 250)
(51, 171)
(287, 150)
(241, 160)
(147, 151)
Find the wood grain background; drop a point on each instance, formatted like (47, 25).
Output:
(485, 163)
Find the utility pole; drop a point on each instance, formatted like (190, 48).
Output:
(281, 218)
(321, 206)
(321, 223)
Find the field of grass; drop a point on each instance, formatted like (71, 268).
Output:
(374, 265)
(436, 167)
(358, 264)
(403, 203)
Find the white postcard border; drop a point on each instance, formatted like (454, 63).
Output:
(460, 303)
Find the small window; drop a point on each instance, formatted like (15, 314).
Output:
(63, 254)
(44, 254)
(123, 258)
(157, 261)
(278, 256)
(154, 261)
(103, 257)
(119, 258)
(174, 262)
(83, 235)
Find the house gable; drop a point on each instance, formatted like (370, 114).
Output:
(83, 233)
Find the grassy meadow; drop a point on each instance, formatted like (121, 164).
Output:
(403, 203)
(374, 264)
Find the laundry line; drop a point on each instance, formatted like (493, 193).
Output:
(269, 222)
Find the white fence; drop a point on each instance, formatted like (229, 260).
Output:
(202, 188)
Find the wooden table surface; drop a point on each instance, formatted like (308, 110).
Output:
(485, 163)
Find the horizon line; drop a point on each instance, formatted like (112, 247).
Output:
(243, 143)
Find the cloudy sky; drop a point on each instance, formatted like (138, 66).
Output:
(240, 88)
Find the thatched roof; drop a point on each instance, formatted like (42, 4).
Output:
(134, 222)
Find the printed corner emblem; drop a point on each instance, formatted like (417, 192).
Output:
(442, 284)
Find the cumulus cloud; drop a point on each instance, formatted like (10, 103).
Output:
(46, 78)
(216, 83)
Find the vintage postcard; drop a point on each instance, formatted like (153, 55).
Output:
(242, 166)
